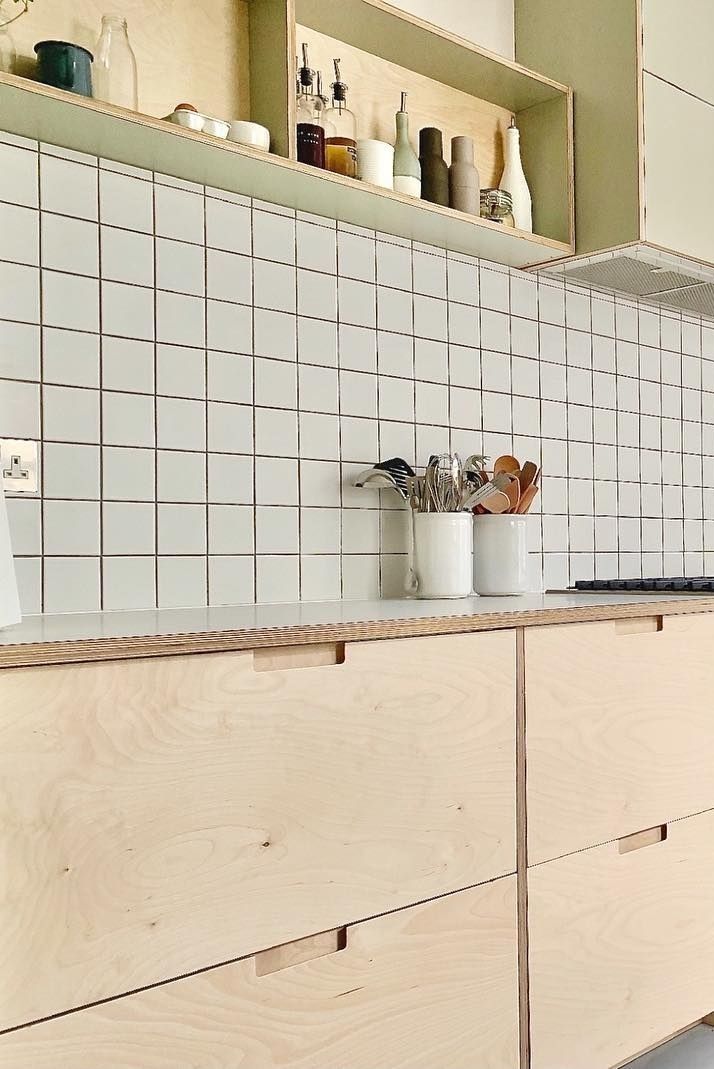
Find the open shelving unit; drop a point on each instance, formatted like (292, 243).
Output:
(451, 83)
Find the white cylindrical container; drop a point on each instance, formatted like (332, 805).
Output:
(375, 163)
(443, 550)
(501, 555)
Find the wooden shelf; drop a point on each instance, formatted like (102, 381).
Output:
(452, 84)
(51, 115)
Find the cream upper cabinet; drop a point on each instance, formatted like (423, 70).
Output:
(643, 85)
(678, 40)
(679, 156)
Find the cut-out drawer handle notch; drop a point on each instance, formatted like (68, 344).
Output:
(640, 625)
(302, 950)
(283, 658)
(648, 837)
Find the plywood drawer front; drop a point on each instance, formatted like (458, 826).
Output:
(619, 729)
(621, 947)
(434, 985)
(166, 815)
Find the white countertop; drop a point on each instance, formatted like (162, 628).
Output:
(155, 623)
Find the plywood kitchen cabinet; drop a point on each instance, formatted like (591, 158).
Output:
(435, 984)
(624, 741)
(488, 850)
(162, 816)
(644, 117)
(621, 947)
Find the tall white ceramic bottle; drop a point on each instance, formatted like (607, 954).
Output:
(514, 181)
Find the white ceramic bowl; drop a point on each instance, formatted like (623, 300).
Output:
(194, 120)
(217, 127)
(190, 119)
(251, 134)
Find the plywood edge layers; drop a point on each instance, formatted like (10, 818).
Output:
(90, 126)
(593, 48)
(103, 649)
(522, 851)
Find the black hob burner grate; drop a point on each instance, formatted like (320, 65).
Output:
(679, 585)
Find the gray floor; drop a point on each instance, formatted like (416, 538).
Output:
(694, 1050)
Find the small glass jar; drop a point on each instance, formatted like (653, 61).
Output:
(115, 72)
(497, 205)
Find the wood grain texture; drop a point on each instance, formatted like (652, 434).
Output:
(401, 37)
(111, 649)
(289, 954)
(620, 731)
(160, 817)
(193, 51)
(427, 986)
(642, 839)
(374, 95)
(621, 948)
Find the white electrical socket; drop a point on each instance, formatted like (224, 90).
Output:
(18, 466)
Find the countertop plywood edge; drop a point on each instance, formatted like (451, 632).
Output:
(110, 649)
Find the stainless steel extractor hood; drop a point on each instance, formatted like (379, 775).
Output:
(646, 272)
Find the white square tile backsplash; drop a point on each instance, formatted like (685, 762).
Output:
(207, 375)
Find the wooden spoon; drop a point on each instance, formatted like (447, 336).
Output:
(506, 464)
(527, 498)
(527, 475)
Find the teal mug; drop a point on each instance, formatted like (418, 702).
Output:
(65, 66)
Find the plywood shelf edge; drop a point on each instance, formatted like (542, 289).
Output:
(46, 114)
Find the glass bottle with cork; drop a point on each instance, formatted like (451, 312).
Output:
(310, 132)
(340, 147)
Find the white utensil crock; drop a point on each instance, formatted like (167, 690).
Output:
(501, 555)
(443, 548)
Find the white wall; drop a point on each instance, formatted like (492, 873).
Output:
(487, 22)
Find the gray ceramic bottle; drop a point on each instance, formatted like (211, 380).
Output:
(434, 172)
(464, 182)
